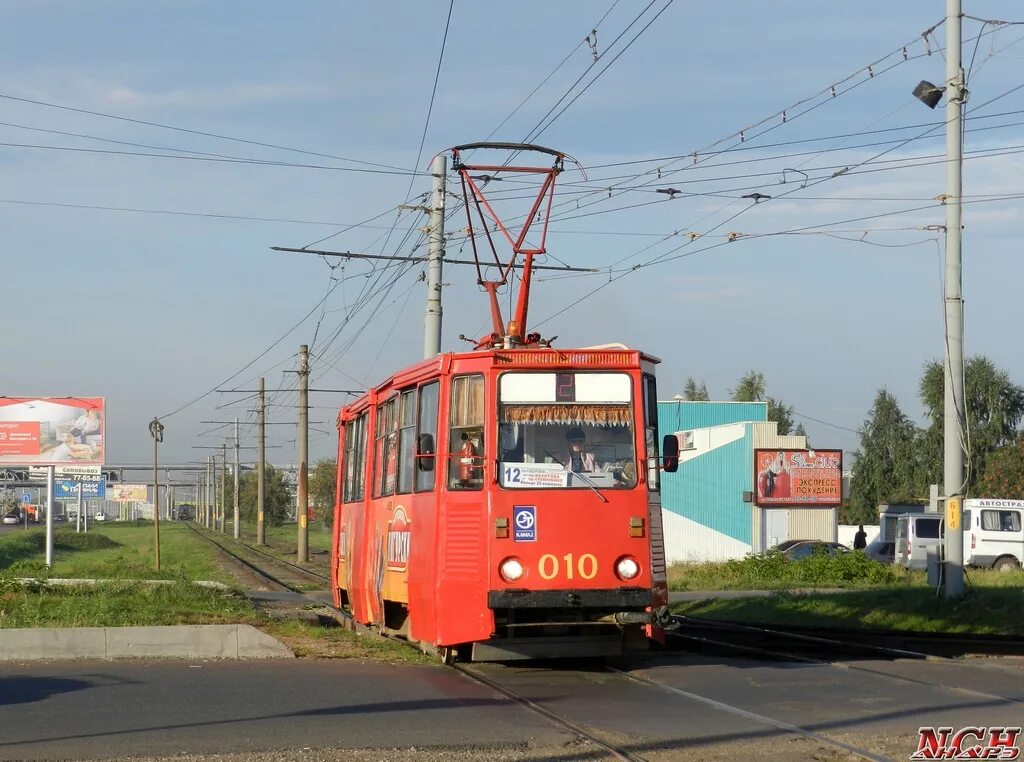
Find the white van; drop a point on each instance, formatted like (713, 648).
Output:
(916, 534)
(994, 533)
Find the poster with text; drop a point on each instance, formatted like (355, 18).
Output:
(798, 477)
(51, 430)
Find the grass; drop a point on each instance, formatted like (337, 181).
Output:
(115, 551)
(120, 605)
(772, 571)
(338, 643)
(987, 610)
(286, 535)
(121, 552)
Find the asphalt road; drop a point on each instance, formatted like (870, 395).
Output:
(105, 710)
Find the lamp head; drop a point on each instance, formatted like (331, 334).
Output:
(928, 94)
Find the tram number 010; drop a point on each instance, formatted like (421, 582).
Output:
(585, 566)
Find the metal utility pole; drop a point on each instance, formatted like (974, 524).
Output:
(237, 527)
(156, 429)
(435, 260)
(302, 509)
(223, 484)
(261, 411)
(49, 516)
(954, 420)
(79, 519)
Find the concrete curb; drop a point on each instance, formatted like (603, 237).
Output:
(201, 641)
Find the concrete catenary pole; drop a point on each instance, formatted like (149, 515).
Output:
(261, 411)
(954, 419)
(435, 259)
(223, 485)
(80, 491)
(236, 533)
(155, 428)
(302, 508)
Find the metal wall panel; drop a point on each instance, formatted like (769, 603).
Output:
(689, 542)
(682, 415)
(767, 437)
(708, 487)
(813, 524)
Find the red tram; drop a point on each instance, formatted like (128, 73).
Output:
(503, 503)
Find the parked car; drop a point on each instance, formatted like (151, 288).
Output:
(806, 548)
(994, 533)
(11, 518)
(917, 534)
(101, 516)
(782, 546)
(881, 551)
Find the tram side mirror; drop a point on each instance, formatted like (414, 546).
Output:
(425, 452)
(670, 453)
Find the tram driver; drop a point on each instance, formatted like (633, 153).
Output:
(580, 459)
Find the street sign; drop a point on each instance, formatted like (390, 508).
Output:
(26, 497)
(62, 472)
(67, 489)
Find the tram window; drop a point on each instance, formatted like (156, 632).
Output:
(466, 446)
(349, 457)
(651, 433)
(359, 488)
(427, 434)
(386, 451)
(566, 430)
(355, 460)
(406, 439)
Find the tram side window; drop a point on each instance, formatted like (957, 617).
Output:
(349, 458)
(466, 445)
(651, 433)
(386, 450)
(427, 437)
(406, 439)
(355, 460)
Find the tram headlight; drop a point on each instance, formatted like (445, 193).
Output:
(511, 569)
(627, 567)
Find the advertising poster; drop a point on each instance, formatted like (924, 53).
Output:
(67, 489)
(127, 493)
(798, 477)
(51, 430)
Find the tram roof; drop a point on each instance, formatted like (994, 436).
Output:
(602, 355)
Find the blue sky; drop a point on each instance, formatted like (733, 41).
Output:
(152, 310)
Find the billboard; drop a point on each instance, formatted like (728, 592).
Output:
(67, 489)
(798, 477)
(128, 493)
(51, 430)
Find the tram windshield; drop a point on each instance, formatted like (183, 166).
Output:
(562, 430)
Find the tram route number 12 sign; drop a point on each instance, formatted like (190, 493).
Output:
(525, 519)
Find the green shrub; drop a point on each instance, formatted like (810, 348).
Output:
(773, 570)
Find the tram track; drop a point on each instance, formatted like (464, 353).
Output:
(605, 739)
(753, 639)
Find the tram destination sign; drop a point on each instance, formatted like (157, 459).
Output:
(798, 477)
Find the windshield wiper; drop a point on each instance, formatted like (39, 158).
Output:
(585, 479)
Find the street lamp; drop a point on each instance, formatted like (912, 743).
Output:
(928, 94)
(156, 430)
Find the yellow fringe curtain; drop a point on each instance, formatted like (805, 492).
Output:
(596, 415)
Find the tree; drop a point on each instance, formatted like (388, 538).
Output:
(994, 404)
(884, 469)
(751, 388)
(800, 431)
(277, 498)
(1004, 472)
(695, 392)
(322, 485)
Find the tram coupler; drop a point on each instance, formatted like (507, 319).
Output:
(659, 617)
